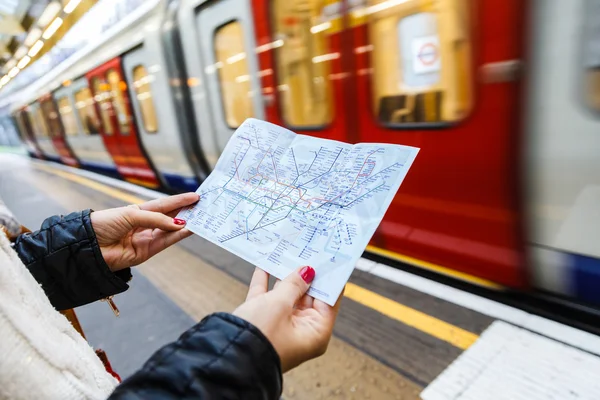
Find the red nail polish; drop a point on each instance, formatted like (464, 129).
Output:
(308, 274)
(178, 221)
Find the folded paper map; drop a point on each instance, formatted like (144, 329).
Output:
(281, 200)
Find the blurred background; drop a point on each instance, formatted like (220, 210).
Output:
(502, 97)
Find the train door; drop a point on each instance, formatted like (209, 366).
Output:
(117, 125)
(26, 134)
(11, 136)
(81, 124)
(40, 131)
(5, 139)
(227, 49)
(563, 144)
(4, 133)
(50, 114)
(305, 78)
(423, 78)
(155, 114)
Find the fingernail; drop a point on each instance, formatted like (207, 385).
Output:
(178, 221)
(308, 274)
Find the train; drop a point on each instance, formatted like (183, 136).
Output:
(501, 96)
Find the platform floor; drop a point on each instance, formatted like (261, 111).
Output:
(391, 340)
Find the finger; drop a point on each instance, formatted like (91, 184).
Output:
(259, 284)
(328, 312)
(149, 219)
(162, 240)
(277, 281)
(305, 302)
(166, 205)
(294, 286)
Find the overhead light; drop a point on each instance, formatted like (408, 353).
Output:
(4, 80)
(235, 58)
(51, 30)
(384, 6)
(21, 51)
(71, 5)
(13, 72)
(49, 13)
(34, 34)
(321, 27)
(24, 61)
(35, 48)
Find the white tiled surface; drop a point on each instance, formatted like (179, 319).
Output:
(508, 362)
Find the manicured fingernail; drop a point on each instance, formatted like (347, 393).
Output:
(178, 221)
(308, 274)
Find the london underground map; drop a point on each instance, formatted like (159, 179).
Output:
(281, 200)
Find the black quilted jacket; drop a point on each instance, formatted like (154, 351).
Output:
(222, 357)
(64, 257)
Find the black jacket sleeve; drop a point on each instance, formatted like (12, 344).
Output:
(65, 259)
(222, 357)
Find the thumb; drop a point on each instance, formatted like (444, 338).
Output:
(295, 285)
(150, 219)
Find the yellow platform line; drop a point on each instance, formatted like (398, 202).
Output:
(117, 194)
(435, 327)
(436, 268)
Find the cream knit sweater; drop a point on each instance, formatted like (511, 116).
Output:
(41, 355)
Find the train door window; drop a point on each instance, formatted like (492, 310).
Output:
(67, 116)
(591, 54)
(234, 75)
(143, 94)
(303, 60)
(86, 110)
(102, 97)
(117, 87)
(39, 123)
(421, 61)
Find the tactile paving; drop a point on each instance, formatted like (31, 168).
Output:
(508, 362)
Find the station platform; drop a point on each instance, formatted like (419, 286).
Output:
(398, 335)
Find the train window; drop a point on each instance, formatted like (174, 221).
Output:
(303, 59)
(421, 61)
(234, 75)
(40, 128)
(20, 118)
(102, 97)
(49, 111)
(67, 116)
(117, 87)
(591, 54)
(86, 110)
(143, 94)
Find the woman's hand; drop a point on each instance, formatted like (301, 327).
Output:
(298, 326)
(130, 235)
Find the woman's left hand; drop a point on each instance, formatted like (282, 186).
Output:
(130, 235)
(298, 326)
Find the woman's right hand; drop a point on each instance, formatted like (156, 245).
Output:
(298, 326)
(130, 235)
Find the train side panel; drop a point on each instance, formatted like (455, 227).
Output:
(81, 123)
(410, 73)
